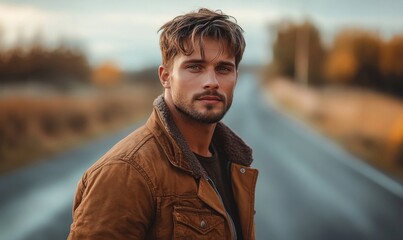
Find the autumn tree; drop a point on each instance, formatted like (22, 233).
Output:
(106, 74)
(35, 62)
(353, 59)
(391, 65)
(289, 43)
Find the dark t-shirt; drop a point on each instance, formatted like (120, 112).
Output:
(218, 170)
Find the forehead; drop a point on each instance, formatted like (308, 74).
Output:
(208, 49)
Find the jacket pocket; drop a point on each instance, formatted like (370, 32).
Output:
(193, 223)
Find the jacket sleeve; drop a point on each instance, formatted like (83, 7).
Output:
(114, 201)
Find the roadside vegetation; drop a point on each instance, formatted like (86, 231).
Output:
(52, 100)
(351, 90)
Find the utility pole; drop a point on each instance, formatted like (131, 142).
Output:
(302, 54)
(301, 57)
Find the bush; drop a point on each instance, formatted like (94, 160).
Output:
(59, 67)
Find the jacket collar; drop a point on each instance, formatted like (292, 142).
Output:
(178, 151)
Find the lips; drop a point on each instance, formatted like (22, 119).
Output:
(210, 98)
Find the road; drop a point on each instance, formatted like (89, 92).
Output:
(308, 188)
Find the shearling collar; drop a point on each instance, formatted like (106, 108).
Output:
(224, 139)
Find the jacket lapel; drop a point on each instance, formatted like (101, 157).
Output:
(208, 195)
(244, 184)
(185, 159)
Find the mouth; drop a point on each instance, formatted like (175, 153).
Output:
(212, 98)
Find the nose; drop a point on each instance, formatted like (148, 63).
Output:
(210, 80)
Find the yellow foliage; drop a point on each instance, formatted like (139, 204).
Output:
(355, 54)
(341, 66)
(394, 148)
(392, 57)
(396, 133)
(107, 74)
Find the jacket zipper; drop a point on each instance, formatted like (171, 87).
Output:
(232, 225)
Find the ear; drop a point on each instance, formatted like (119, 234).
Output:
(164, 75)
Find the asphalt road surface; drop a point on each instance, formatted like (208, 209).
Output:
(308, 188)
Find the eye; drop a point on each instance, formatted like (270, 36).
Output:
(224, 69)
(194, 67)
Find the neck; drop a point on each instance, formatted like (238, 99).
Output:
(197, 135)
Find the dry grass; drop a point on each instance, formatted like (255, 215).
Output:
(34, 125)
(368, 124)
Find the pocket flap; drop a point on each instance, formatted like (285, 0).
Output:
(201, 220)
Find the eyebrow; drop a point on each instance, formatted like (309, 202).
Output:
(201, 61)
(227, 63)
(193, 61)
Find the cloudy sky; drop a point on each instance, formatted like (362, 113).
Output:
(125, 31)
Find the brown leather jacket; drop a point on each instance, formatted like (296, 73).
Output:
(151, 186)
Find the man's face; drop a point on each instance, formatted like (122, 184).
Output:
(202, 88)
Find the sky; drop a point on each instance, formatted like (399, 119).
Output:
(125, 32)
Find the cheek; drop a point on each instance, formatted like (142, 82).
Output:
(228, 86)
(181, 87)
(184, 83)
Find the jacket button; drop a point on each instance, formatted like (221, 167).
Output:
(242, 170)
(203, 224)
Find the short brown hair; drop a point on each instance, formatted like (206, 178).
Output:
(194, 27)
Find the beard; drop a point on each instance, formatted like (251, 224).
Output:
(205, 116)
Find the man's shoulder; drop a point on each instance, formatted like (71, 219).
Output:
(136, 149)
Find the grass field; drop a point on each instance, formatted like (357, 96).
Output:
(40, 122)
(366, 123)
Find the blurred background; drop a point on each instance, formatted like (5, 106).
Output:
(321, 81)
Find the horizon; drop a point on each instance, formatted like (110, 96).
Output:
(125, 33)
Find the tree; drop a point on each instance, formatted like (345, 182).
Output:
(289, 42)
(59, 66)
(36, 62)
(354, 57)
(391, 65)
(107, 74)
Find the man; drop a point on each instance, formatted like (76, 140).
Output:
(184, 174)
